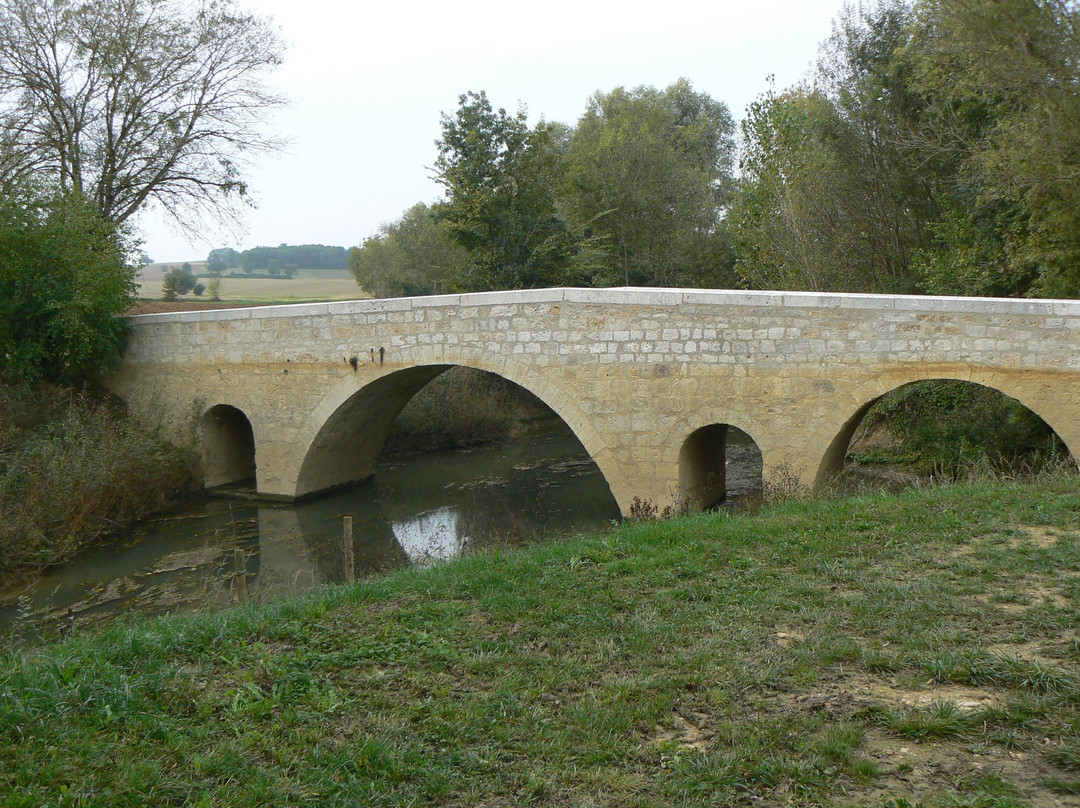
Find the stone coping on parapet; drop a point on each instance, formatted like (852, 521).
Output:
(640, 296)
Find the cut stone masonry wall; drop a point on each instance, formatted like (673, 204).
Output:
(634, 372)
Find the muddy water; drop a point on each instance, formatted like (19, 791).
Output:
(417, 510)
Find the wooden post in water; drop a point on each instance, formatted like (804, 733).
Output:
(347, 546)
(240, 577)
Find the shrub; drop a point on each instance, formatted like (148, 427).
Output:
(180, 282)
(74, 467)
(946, 427)
(63, 279)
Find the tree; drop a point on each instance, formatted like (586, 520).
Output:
(1003, 119)
(832, 195)
(63, 281)
(647, 175)
(179, 281)
(223, 258)
(500, 177)
(136, 102)
(788, 225)
(412, 256)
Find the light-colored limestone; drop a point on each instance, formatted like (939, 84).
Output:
(634, 372)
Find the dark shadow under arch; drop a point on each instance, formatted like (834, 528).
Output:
(350, 441)
(704, 465)
(346, 447)
(834, 458)
(228, 446)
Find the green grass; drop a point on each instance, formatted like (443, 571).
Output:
(817, 653)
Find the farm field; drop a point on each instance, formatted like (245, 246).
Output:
(306, 285)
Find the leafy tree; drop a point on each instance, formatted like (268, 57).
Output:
(63, 281)
(1003, 120)
(307, 256)
(501, 177)
(412, 256)
(832, 196)
(786, 219)
(131, 102)
(223, 258)
(179, 281)
(647, 176)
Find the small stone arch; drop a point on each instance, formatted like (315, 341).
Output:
(228, 446)
(703, 464)
(833, 459)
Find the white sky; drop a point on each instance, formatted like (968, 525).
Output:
(368, 82)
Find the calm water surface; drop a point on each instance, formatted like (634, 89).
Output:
(414, 511)
(417, 510)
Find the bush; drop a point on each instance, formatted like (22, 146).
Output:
(74, 467)
(180, 282)
(947, 427)
(63, 279)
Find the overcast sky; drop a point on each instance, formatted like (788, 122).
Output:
(368, 82)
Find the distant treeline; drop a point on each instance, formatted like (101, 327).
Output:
(279, 259)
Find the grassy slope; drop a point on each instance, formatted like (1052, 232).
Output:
(922, 645)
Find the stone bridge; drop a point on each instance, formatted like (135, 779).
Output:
(302, 396)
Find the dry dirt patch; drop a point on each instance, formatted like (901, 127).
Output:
(1035, 535)
(926, 771)
(690, 731)
(861, 693)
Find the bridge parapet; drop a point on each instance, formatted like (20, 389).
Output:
(634, 372)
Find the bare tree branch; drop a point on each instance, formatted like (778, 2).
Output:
(137, 102)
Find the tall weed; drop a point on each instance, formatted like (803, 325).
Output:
(73, 467)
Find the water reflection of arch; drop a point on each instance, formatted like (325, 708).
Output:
(429, 506)
(868, 394)
(316, 530)
(344, 434)
(228, 446)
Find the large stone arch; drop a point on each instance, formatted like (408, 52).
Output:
(1051, 402)
(343, 436)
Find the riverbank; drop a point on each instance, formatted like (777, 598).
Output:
(74, 467)
(921, 646)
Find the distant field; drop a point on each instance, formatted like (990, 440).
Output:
(305, 285)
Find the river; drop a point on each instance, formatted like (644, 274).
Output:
(415, 510)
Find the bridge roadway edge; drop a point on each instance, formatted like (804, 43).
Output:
(633, 371)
